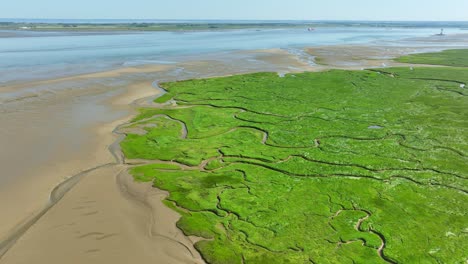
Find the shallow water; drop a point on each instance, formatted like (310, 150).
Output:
(39, 55)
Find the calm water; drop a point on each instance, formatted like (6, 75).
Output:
(36, 55)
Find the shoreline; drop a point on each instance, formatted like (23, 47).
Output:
(70, 185)
(128, 188)
(130, 99)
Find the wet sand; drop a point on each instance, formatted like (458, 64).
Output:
(59, 128)
(357, 57)
(52, 137)
(106, 218)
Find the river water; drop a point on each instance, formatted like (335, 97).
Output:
(26, 55)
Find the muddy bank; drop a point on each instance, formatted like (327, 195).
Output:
(106, 218)
(357, 57)
(69, 125)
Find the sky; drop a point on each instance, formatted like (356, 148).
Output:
(421, 10)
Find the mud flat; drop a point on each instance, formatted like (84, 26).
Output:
(56, 134)
(356, 57)
(106, 218)
(60, 131)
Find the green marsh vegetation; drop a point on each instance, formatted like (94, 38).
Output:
(457, 58)
(330, 167)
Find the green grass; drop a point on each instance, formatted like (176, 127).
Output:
(457, 58)
(315, 167)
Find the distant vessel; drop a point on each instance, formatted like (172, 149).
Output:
(310, 29)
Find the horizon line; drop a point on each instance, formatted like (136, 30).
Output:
(230, 19)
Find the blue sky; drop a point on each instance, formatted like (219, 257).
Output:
(239, 9)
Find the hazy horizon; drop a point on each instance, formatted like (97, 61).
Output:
(221, 19)
(315, 23)
(292, 10)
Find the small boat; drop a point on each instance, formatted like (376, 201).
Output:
(310, 29)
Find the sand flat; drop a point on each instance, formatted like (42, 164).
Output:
(53, 129)
(106, 220)
(358, 56)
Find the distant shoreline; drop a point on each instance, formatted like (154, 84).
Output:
(98, 25)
